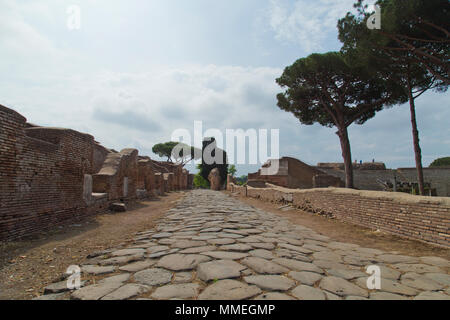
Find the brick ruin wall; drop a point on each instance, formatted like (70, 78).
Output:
(293, 173)
(419, 218)
(50, 176)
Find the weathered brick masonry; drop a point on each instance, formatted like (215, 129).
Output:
(50, 176)
(420, 218)
(41, 174)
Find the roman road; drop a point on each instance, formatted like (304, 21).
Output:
(212, 246)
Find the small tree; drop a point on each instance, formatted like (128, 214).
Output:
(176, 152)
(232, 170)
(441, 162)
(199, 181)
(324, 89)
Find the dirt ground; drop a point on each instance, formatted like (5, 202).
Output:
(346, 232)
(27, 266)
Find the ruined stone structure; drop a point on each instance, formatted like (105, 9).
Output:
(230, 180)
(214, 179)
(414, 217)
(373, 176)
(49, 176)
(291, 173)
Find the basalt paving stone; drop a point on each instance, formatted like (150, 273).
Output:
(236, 247)
(441, 278)
(263, 266)
(156, 249)
(271, 282)
(182, 277)
(230, 235)
(391, 286)
(274, 296)
(104, 287)
(203, 237)
(53, 296)
(121, 260)
(389, 273)
(303, 292)
(327, 255)
(219, 269)
(250, 239)
(184, 244)
(298, 265)
(355, 298)
(342, 287)
(314, 247)
(422, 284)
(418, 268)
(222, 241)
(295, 248)
(261, 253)
(331, 296)
(386, 296)
(341, 245)
(394, 258)
(198, 250)
(229, 290)
(127, 252)
(328, 264)
(346, 274)
(161, 235)
(153, 277)
(436, 261)
(225, 255)
(138, 266)
(266, 246)
(182, 262)
(432, 296)
(308, 278)
(293, 242)
(212, 229)
(127, 291)
(177, 291)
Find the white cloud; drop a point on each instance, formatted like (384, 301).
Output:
(307, 23)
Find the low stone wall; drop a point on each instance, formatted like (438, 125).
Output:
(419, 218)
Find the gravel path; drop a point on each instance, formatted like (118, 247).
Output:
(211, 246)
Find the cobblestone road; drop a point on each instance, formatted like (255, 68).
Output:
(211, 246)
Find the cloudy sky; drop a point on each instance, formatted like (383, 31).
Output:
(137, 70)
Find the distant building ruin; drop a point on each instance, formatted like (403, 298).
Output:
(295, 174)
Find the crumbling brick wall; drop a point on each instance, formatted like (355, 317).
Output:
(41, 175)
(50, 176)
(146, 175)
(118, 176)
(292, 173)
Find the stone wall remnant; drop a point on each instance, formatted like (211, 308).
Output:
(214, 179)
(419, 218)
(291, 173)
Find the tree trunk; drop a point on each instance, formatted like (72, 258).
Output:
(415, 132)
(347, 156)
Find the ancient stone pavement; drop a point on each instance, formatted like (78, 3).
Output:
(211, 246)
